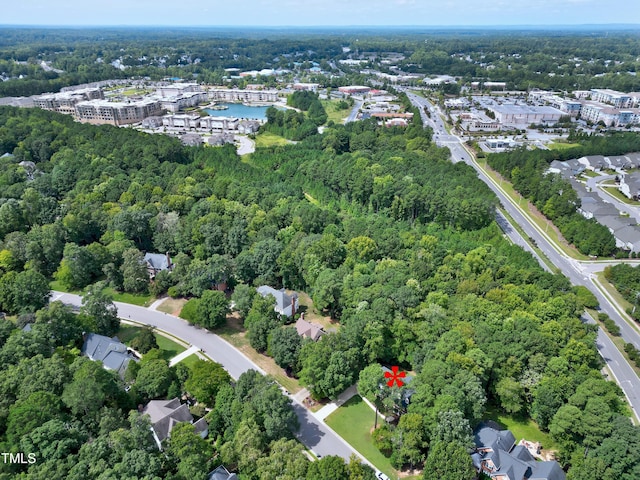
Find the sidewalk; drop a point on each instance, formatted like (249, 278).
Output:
(181, 356)
(156, 304)
(327, 410)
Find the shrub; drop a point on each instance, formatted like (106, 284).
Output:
(190, 310)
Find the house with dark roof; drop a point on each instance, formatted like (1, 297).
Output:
(285, 304)
(157, 262)
(221, 473)
(166, 414)
(630, 185)
(113, 354)
(309, 330)
(497, 455)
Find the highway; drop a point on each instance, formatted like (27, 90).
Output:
(578, 273)
(313, 433)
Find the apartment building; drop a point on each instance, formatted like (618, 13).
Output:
(116, 113)
(242, 96)
(65, 102)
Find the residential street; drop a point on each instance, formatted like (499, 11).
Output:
(313, 433)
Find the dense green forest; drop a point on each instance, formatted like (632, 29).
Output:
(387, 236)
(554, 196)
(524, 59)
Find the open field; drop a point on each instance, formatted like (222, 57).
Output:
(561, 145)
(268, 139)
(333, 114)
(172, 306)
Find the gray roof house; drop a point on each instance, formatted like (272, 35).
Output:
(156, 262)
(630, 185)
(166, 414)
(221, 473)
(110, 351)
(285, 304)
(497, 455)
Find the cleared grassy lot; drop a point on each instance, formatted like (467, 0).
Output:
(353, 421)
(268, 139)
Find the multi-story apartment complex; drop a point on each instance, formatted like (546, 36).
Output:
(65, 102)
(612, 97)
(243, 96)
(116, 113)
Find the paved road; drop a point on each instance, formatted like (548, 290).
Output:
(354, 111)
(313, 433)
(594, 184)
(577, 272)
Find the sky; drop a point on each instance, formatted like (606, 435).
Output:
(318, 12)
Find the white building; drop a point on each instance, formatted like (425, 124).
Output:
(242, 96)
(612, 97)
(184, 100)
(525, 115)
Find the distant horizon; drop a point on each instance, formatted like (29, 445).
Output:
(341, 26)
(321, 13)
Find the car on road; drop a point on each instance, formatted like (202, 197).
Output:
(381, 476)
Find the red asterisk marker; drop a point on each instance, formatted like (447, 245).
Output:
(395, 376)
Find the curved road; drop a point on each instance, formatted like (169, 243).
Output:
(313, 433)
(578, 273)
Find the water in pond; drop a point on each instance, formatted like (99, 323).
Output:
(238, 110)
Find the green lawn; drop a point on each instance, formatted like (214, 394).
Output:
(615, 192)
(190, 360)
(268, 139)
(353, 421)
(56, 285)
(140, 299)
(126, 333)
(168, 347)
(521, 428)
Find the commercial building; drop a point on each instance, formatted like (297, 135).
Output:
(116, 113)
(523, 115)
(242, 96)
(311, 87)
(354, 90)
